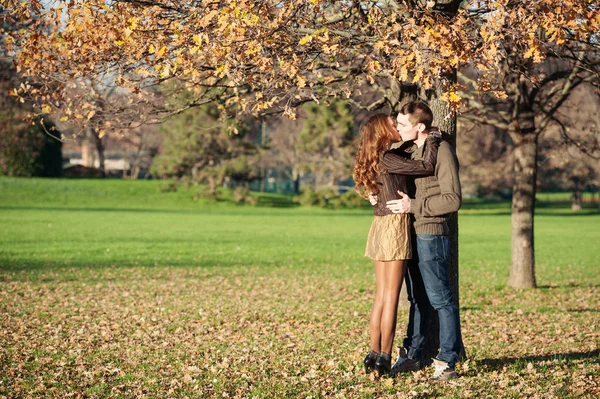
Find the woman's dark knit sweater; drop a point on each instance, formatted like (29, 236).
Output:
(398, 169)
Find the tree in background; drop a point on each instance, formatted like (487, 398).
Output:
(318, 145)
(567, 153)
(199, 145)
(25, 147)
(485, 154)
(283, 156)
(533, 81)
(326, 142)
(146, 142)
(570, 151)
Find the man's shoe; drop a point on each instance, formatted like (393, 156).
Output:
(404, 363)
(442, 371)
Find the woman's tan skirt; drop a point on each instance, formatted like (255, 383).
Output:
(389, 238)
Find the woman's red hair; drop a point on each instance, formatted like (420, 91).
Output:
(376, 136)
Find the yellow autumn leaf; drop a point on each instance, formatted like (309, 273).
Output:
(529, 52)
(252, 50)
(64, 118)
(46, 109)
(454, 97)
(306, 39)
(162, 51)
(301, 81)
(132, 23)
(151, 49)
(433, 33)
(91, 114)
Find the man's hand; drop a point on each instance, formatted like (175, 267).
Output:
(401, 205)
(373, 199)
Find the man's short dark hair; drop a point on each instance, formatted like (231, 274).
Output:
(418, 112)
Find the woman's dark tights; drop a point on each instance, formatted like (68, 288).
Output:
(388, 277)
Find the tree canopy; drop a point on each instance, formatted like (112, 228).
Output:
(271, 56)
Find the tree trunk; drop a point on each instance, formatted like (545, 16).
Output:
(92, 150)
(522, 269)
(446, 121)
(576, 197)
(406, 93)
(576, 200)
(88, 149)
(263, 169)
(100, 152)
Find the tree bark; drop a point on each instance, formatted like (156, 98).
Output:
(446, 121)
(92, 149)
(100, 152)
(296, 180)
(576, 197)
(576, 200)
(522, 269)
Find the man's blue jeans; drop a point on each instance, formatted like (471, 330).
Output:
(427, 283)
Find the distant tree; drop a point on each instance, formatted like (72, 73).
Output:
(326, 142)
(200, 145)
(283, 155)
(533, 81)
(146, 142)
(26, 147)
(319, 144)
(570, 151)
(485, 154)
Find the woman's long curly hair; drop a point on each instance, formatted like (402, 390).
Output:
(376, 136)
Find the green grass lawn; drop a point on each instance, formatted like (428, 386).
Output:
(116, 289)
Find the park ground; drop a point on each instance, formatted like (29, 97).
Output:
(118, 289)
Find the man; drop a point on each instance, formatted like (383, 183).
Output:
(436, 197)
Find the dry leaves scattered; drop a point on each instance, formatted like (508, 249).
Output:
(250, 332)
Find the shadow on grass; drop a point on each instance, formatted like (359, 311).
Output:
(500, 363)
(579, 284)
(583, 310)
(550, 208)
(538, 212)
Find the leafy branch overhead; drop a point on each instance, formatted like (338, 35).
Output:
(271, 56)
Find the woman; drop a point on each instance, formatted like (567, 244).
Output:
(389, 242)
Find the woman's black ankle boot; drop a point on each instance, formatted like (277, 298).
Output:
(369, 361)
(383, 364)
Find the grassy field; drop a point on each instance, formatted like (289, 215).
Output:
(116, 289)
